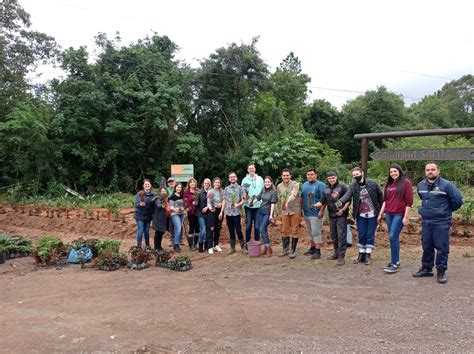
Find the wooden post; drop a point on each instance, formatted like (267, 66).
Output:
(364, 155)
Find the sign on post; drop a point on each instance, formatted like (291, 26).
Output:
(182, 173)
(452, 154)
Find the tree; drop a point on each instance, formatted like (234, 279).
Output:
(375, 111)
(289, 86)
(21, 49)
(458, 97)
(323, 121)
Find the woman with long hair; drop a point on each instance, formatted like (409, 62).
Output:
(202, 212)
(144, 212)
(177, 215)
(398, 199)
(191, 198)
(160, 213)
(214, 205)
(269, 198)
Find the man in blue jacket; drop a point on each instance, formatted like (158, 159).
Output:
(439, 198)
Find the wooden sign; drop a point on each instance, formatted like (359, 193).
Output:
(182, 173)
(451, 154)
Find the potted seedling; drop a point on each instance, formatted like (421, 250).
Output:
(310, 201)
(180, 264)
(139, 257)
(110, 257)
(3, 256)
(47, 250)
(163, 258)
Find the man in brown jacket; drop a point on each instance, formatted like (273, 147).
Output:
(289, 195)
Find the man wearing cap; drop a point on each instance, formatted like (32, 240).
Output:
(311, 193)
(337, 217)
(170, 187)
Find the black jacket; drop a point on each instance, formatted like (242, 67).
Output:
(330, 195)
(375, 193)
(202, 203)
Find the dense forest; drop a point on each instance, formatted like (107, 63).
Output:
(134, 109)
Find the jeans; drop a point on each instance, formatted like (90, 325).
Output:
(395, 225)
(366, 228)
(233, 223)
(202, 228)
(251, 217)
(178, 226)
(143, 228)
(263, 221)
(435, 237)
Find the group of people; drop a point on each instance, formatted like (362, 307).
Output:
(205, 209)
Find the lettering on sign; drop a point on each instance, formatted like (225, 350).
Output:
(451, 154)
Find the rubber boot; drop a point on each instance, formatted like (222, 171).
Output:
(285, 241)
(360, 258)
(243, 247)
(367, 260)
(190, 243)
(294, 242)
(232, 247)
(196, 242)
(201, 247)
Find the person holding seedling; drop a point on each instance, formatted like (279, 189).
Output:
(311, 193)
(233, 200)
(144, 213)
(202, 212)
(214, 205)
(253, 185)
(191, 196)
(288, 191)
(177, 215)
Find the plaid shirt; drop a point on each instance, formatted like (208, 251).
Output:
(238, 193)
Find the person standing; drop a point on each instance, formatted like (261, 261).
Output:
(144, 213)
(367, 199)
(337, 217)
(269, 198)
(191, 197)
(311, 193)
(233, 200)
(398, 200)
(177, 215)
(288, 194)
(201, 213)
(214, 205)
(439, 198)
(160, 206)
(253, 185)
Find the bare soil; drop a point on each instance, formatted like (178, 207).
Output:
(231, 303)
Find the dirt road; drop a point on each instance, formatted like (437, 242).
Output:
(232, 303)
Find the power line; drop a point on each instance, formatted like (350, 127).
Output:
(427, 75)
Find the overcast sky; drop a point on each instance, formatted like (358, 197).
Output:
(411, 47)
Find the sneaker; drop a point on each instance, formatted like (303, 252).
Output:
(441, 277)
(210, 251)
(391, 269)
(423, 272)
(340, 261)
(217, 248)
(390, 264)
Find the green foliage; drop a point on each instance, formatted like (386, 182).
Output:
(180, 263)
(466, 211)
(47, 249)
(460, 172)
(108, 246)
(297, 152)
